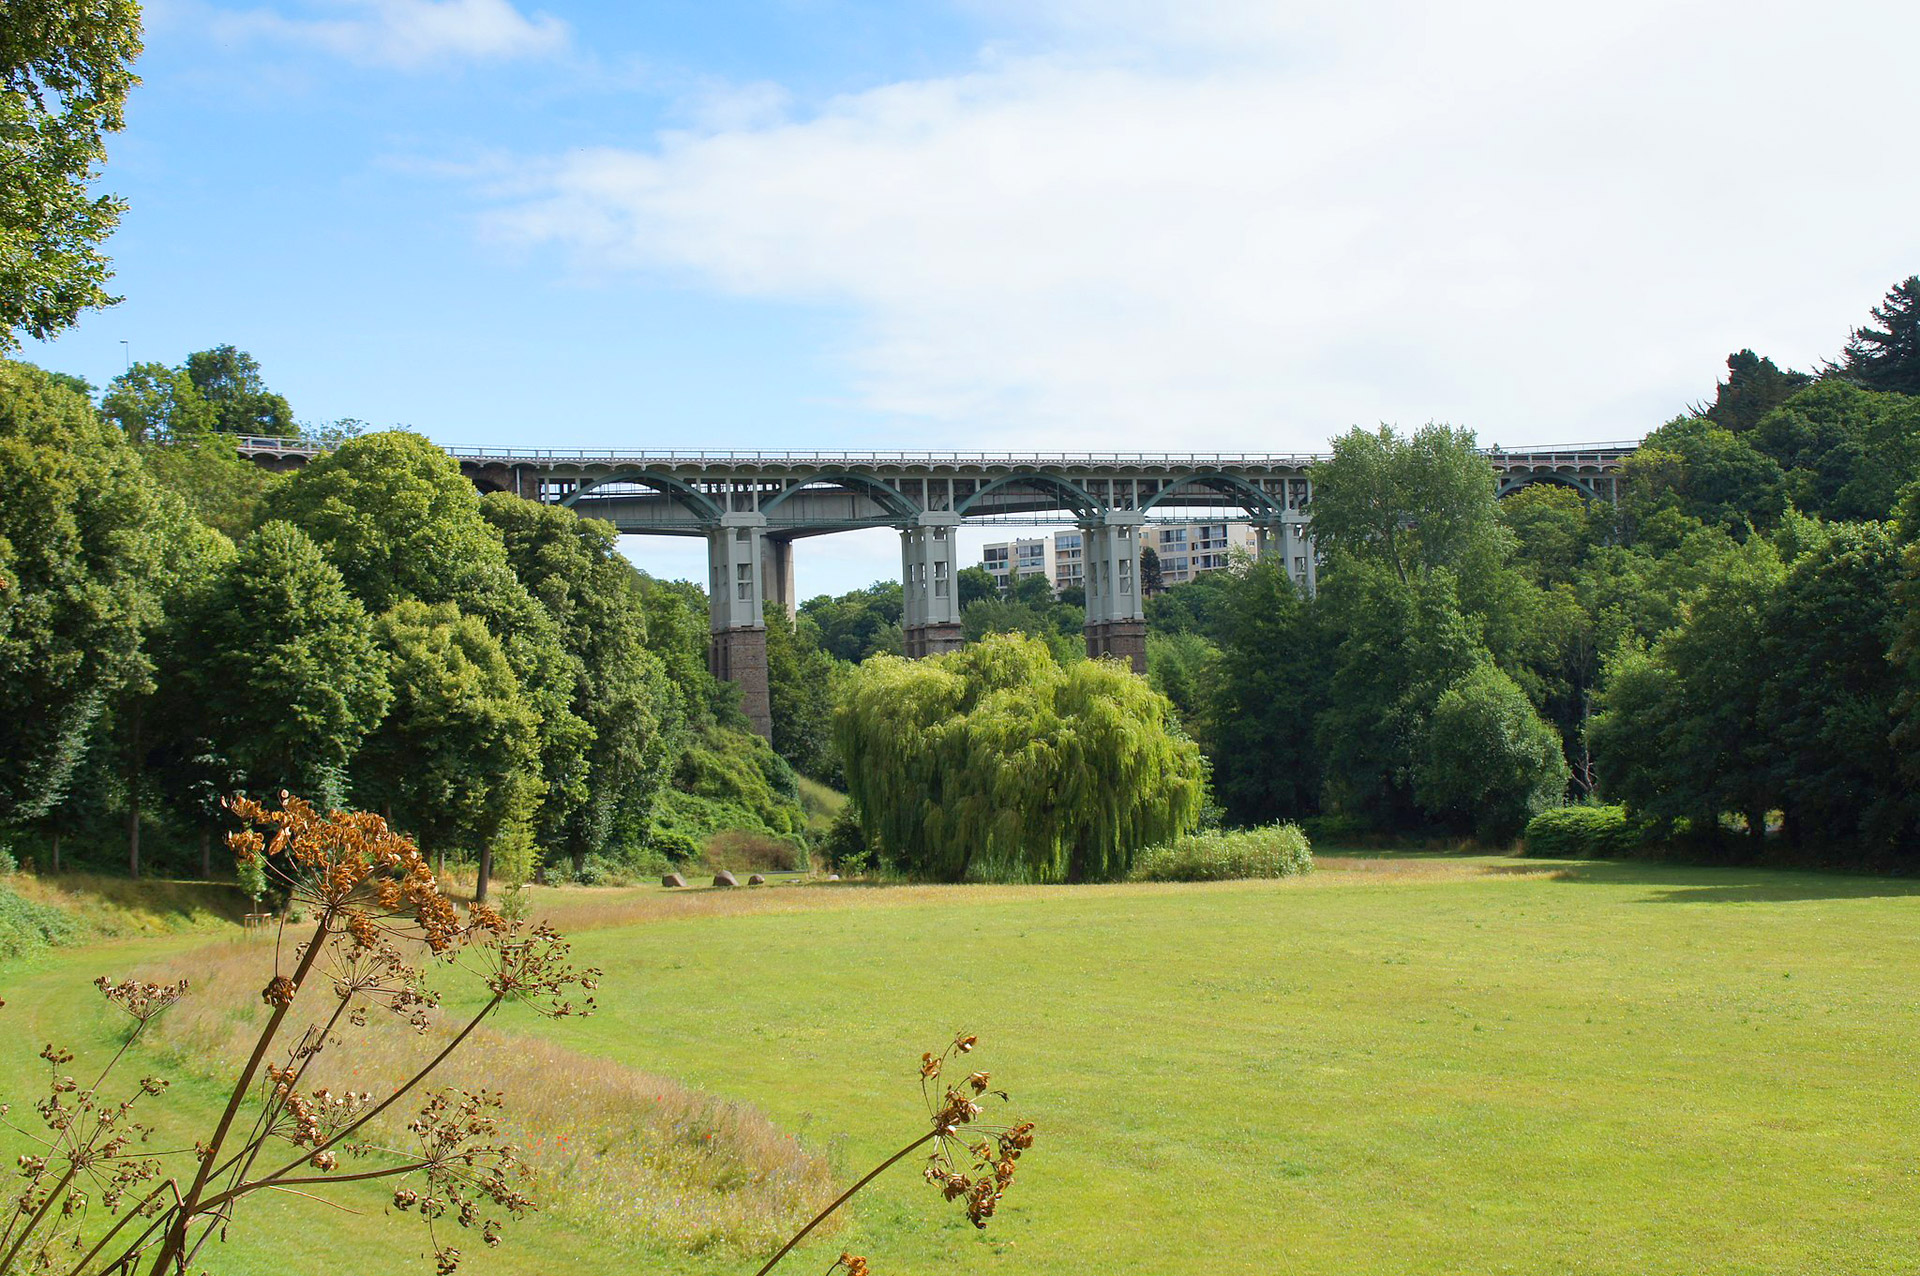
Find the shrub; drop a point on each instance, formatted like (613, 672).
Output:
(1583, 832)
(26, 926)
(1276, 850)
(609, 870)
(673, 845)
(845, 847)
(745, 850)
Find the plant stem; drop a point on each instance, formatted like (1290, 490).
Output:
(6, 1264)
(213, 1202)
(821, 1217)
(177, 1235)
(125, 1218)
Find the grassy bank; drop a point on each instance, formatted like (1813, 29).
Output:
(1392, 1065)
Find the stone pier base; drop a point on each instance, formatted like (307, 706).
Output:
(739, 656)
(1121, 639)
(933, 640)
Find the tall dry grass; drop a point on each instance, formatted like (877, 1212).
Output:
(574, 909)
(640, 1159)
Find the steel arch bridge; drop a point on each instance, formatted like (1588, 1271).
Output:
(751, 506)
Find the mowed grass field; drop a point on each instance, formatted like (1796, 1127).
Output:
(1395, 1065)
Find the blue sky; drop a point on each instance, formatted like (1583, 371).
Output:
(1055, 224)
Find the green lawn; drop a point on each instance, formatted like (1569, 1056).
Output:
(1393, 1066)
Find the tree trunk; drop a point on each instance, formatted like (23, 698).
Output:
(486, 871)
(133, 796)
(1757, 832)
(206, 855)
(56, 850)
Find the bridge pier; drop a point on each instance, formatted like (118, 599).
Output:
(930, 584)
(1289, 547)
(776, 573)
(737, 647)
(1116, 612)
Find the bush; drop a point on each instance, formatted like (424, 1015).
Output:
(1583, 832)
(605, 870)
(27, 926)
(1277, 850)
(743, 850)
(673, 845)
(730, 779)
(845, 847)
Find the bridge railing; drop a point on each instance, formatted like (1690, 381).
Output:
(1535, 455)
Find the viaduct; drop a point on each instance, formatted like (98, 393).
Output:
(751, 507)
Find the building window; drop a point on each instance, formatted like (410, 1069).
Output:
(743, 587)
(1126, 575)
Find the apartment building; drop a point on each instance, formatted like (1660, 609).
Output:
(1028, 557)
(1186, 551)
(1193, 549)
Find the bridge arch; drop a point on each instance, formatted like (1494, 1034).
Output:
(699, 503)
(1070, 495)
(888, 497)
(1258, 504)
(1514, 481)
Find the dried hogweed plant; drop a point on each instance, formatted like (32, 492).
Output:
(379, 926)
(972, 1161)
(95, 1197)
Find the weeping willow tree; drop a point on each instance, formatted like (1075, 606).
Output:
(995, 763)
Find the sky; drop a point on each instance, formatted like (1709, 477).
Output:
(1162, 225)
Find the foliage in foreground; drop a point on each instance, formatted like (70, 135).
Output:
(380, 923)
(1218, 855)
(995, 763)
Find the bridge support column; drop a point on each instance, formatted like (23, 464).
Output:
(737, 649)
(930, 584)
(776, 574)
(1116, 616)
(1288, 546)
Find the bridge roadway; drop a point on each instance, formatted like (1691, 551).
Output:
(751, 506)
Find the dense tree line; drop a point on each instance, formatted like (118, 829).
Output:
(1730, 649)
(176, 625)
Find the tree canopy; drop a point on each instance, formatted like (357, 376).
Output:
(996, 763)
(278, 668)
(90, 551)
(65, 70)
(1885, 355)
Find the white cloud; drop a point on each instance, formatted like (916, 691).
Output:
(1243, 224)
(406, 33)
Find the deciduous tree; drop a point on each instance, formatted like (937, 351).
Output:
(996, 763)
(65, 70)
(457, 757)
(279, 669)
(1490, 761)
(88, 547)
